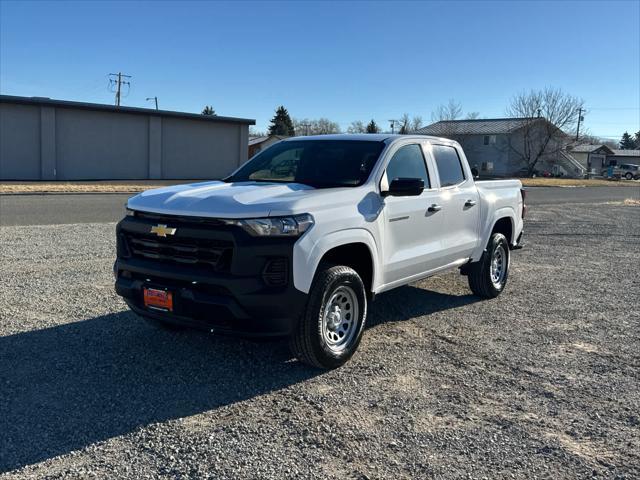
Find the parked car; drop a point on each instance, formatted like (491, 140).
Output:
(355, 216)
(628, 171)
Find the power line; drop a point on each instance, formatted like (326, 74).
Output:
(615, 108)
(117, 79)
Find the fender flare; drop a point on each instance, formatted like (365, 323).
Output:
(308, 252)
(487, 228)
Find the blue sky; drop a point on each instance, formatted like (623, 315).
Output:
(342, 60)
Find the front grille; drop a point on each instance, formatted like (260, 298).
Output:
(208, 253)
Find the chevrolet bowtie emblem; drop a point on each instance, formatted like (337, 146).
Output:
(163, 230)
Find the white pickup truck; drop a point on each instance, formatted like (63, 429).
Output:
(300, 239)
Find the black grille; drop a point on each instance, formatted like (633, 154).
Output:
(215, 254)
(275, 273)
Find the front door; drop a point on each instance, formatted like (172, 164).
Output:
(412, 234)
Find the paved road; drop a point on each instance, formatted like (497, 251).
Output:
(104, 208)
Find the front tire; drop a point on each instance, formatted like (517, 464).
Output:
(488, 276)
(629, 176)
(330, 330)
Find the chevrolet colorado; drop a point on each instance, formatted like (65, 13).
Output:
(300, 238)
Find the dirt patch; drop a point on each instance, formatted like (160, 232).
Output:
(86, 187)
(576, 182)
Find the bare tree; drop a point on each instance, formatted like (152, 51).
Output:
(548, 116)
(450, 111)
(404, 123)
(320, 126)
(357, 126)
(587, 139)
(416, 123)
(472, 115)
(256, 133)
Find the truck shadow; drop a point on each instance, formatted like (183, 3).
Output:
(66, 387)
(409, 302)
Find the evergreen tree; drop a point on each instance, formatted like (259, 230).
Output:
(281, 123)
(372, 127)
(637, 139)
(208, 110)
(627, 142)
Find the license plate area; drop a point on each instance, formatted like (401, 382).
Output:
(158, 299)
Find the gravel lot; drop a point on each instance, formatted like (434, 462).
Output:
(542, 382)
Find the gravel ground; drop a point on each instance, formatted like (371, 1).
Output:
(542, 382)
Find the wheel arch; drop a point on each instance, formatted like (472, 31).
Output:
(505, 226)
(354, 248)
(504, 221)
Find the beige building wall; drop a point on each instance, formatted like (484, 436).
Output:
(61, 141)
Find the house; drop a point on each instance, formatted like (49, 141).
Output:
(591, 157)
(46, 139)
(506, 146)
(257, 144)
(620, 157)
(597, 158)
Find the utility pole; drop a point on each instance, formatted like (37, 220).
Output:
(153, 98)
(580, 118)
(117, 79)
(393, 123)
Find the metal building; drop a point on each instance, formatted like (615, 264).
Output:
(44, 139)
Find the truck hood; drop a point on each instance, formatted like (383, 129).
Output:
(239, 200)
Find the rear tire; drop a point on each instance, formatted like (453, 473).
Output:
(488, 276)
(330, 330)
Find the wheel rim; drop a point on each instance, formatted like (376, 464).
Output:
(340, 318)
(498, 266)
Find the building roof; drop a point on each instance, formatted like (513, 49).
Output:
(626, 153)
(257, 140)
(41, 101)
(588, 148)
(481, 126)
(591, 148)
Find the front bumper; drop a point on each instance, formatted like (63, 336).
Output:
(236, 299)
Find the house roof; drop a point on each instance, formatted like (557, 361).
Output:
(590, 148)
(42, 101)
(626, 153)
(481, 126)
(257, 140)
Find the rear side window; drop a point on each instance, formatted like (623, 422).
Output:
(408, 162)
(449, 165)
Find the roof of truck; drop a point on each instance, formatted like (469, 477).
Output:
(372, 137)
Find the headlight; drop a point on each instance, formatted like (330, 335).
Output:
(277, 226)
(130, 213)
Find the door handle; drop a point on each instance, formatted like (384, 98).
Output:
(470, 203)
(434, 208)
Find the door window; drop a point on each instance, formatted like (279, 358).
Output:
(408, 162)
(449, 165)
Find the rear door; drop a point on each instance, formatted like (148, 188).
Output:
(460, 203)
(411, 234)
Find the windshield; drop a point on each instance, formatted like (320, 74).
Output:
(318, 163)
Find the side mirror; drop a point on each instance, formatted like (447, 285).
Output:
(475, 172)
(405, 187)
